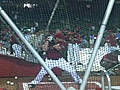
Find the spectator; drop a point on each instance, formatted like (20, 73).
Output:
(16, 47)
(112, 41)
(74, 47)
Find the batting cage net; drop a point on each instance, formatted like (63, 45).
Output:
(59, 44)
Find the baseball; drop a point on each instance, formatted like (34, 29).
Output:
(8, 82)
(12, 83)
(16, 77)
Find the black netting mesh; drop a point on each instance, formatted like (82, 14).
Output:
(78, 20)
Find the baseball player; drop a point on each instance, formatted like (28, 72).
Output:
(54, 58)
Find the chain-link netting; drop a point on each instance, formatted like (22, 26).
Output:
(76, 24)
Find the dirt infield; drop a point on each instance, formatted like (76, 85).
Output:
(91, 85)
(54, 86)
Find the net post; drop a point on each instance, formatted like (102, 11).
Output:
(97, 43)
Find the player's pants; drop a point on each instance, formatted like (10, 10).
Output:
(74, 53)
(18, 50)
(61, 63)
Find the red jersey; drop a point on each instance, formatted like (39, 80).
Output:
(112, 40)
(52, 53)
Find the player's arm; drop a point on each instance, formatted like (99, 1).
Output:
(45, 46)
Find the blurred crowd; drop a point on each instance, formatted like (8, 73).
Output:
(36, 38)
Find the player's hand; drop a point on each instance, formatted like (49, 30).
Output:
(57, 46)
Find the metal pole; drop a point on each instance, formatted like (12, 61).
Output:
(97, 43)
(103, 80)
(108, 79)
(49, 22)
(14, 27)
